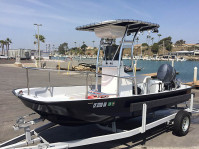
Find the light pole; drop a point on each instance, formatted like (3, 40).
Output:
(39, 52)
(53, 47)
(75, 43)
(93, 43)
(46, 47)
(49, 47)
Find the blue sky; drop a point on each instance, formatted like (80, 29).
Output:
(177, 18)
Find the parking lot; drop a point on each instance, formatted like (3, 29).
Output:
(10, 108)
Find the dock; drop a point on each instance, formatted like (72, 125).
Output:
(154, 75)
(194, 84)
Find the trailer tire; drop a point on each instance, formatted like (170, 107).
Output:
(182, 123)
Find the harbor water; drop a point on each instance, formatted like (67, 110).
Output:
(185, 68)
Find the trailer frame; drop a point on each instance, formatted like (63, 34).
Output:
(23, 141)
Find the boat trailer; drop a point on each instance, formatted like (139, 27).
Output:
(26, 140)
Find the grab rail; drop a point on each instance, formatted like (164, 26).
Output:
(81, 72)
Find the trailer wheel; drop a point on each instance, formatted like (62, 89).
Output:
(182, 123)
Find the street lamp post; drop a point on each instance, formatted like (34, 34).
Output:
(46, 47)
(39, 52)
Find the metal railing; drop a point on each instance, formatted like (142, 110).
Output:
(80, 72)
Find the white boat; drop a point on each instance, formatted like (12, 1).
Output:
(120, 95)
(3, 57)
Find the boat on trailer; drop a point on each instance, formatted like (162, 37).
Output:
(119, 95)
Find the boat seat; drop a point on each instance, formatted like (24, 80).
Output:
(142, 79)
(142, 82)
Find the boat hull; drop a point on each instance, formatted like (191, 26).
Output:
(104, 111)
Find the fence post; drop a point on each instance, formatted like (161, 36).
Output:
(172, 64)
(27, 80)
(86, 96)
(195, 75)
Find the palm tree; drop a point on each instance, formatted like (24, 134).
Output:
(148, 38)
(8, 42)
(83, 42)
(75, 43)
(152, 40)
(41, 38)
(159, 35)
(93, 43)
(53, 47)
(2, 46)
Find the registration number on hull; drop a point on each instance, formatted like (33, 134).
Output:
(104, 104)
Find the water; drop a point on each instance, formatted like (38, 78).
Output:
(59, 58)
(185, 68)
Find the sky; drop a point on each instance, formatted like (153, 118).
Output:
(59, 18)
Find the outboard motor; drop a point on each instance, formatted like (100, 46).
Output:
(167, 74)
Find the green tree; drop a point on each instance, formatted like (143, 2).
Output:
(145, 45)
(83, 47)
(74, 51)
(63, 48)
(41, 38)
(167, 43)
(8, 42)
(155, 48)
(180, 42)
(3, 43)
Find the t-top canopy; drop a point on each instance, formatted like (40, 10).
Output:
(116, 28)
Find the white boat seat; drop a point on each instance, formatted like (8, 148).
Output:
(142, 79)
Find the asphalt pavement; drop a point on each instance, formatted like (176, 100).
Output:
(11, 107)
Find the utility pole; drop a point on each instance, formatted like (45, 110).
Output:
(53, 47)
(141, 50)
(46, 47)
(49, 47)
(39, 52)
